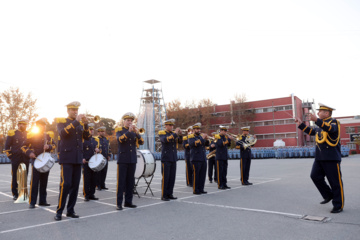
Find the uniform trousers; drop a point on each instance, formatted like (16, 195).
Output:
(331, 170)
(89, 180)
(222, 166)
(36, 178)
(126, 182)
(212, 169)
(168, 170)
(101, 176)
(189, 172)
(199, 171)
(245, 163)
(69, 185)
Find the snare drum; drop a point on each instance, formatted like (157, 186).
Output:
(97, 162)
(145, 166)
(44, 162)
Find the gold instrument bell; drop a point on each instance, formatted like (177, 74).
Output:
(96, 119)
(22, 184)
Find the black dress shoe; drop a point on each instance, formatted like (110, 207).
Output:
(227, 187)
(119, 208)
(15, 197)
(326, 200)
(57, 217)
(32, 206)
(105, 188)
(130, 205)
(336, 210)
(222, 188)
(86, 199)
(203, 192)
(93, 198)
(172, 197)
(197, 193)
(165, 199)
(249, 183)
(99, 189)
(210, 181)
(72, 215)
(44, 204)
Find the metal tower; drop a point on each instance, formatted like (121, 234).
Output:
(152, 114)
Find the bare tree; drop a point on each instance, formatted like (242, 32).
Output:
(14, 106)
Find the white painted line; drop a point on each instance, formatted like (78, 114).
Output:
(247, 209)
(23, 210)
(7, 195)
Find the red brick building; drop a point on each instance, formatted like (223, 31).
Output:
(349, 128)
(274, 119)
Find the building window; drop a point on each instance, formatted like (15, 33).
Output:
(258, 124)
(358, 129)
(288, 107)
(352, 146)
(350, 129)
(290, 135)
(289, 121)
(259, 110)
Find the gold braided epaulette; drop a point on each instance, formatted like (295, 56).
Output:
(118, 129)
(191, 136)
(162, 132)
(185, 138)
(11, 133)
(30, 135)
(217, 136)
(60, 120)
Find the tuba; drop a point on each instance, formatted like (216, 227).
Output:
(22, 184)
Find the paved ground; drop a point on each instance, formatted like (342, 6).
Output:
(272, 208)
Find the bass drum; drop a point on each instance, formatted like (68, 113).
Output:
(146, 165)
(97, 162)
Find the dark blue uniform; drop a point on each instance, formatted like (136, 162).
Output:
(169, 141)
(89, 176)
(14, 141)
(127, 159)
(222, 144)
(245, 160)
(188, 168)
(212, 163)
(198, 161)
(327, 160)
(105, 151)
(72, 135)
(35, 144)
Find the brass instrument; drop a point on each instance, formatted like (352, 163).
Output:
(249, 141)
(237, 137)
(96, 119)
(22, 184)
(140, 131)
(211, 154)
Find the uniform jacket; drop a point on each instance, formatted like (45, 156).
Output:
(169, 141)
(72, 134)
(327, 137)
(245, 153)
(127, 144)
(89, 147)
(197, 148)
(222, 144)
(186, 147)
(104, 147)
(14, 141)
(35, 144)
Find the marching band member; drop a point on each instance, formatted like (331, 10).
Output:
(212, 162)
(327, 156)
(106, 152)
(169, 141)
(14, 141)
(128, 140)
(90, 147)
(198, 158)
(188, 167)
(72, 130)
(36, 144)
(222, 144)
(245, 156)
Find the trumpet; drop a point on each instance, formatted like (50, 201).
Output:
(96, 118)
(237, 137)
(140, 131)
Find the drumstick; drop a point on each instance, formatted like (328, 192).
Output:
(38, 159)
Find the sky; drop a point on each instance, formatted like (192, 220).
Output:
(100, 52)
